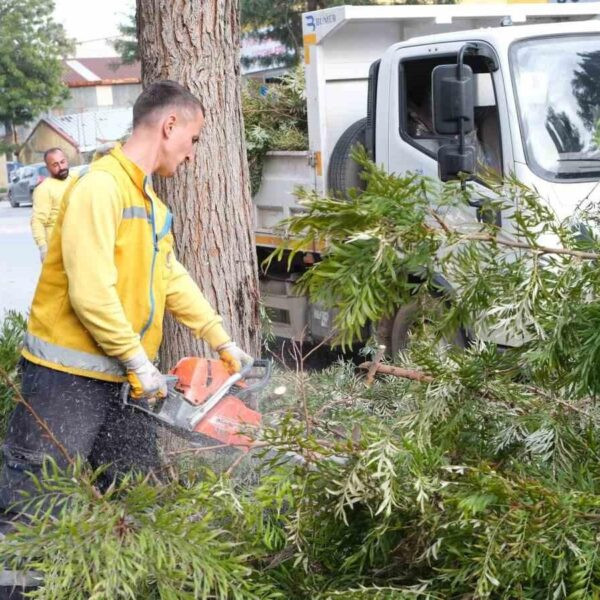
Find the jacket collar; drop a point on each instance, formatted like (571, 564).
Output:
(134, 171)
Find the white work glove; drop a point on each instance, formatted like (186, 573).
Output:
(234, 357)
(145, 379)
(43, 252)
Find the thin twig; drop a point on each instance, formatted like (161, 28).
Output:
(299, 360)
(279, 358)
(536, 390)
(216, 447)
(197, 450)
(235, 464)
(319, 345)
(331, 404)
(574, 408)
(41, 422)
(441, 222)
(399, 372)
(373, 368)
(303, 358)
(486, 237)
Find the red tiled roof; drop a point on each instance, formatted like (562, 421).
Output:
(100, 71)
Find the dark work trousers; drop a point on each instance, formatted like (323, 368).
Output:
(87, 417)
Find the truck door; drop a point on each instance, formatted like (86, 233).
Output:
(413, 143)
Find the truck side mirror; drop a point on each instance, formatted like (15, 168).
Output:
(453, 99)
(453, 90)
(453, 160)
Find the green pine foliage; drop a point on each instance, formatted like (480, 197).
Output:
(137, 540)
(534, 280)
(12, 329)
(480, 481)
(477, 485)
(127, 44)
(274, 119)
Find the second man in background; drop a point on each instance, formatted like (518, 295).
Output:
(47, 198)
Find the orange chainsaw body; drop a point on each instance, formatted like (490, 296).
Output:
(198, 380)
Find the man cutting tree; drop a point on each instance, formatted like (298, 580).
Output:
(97, 314)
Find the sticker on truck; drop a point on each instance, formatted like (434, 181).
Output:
(313, 23)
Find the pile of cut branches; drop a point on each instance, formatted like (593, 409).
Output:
(274, 119)
(476, 475)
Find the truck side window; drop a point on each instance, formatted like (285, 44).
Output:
(417, 117)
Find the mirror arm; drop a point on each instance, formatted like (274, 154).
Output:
(471, 49)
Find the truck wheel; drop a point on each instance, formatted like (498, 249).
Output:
(12, 201)
(344, 173)
(395, 333)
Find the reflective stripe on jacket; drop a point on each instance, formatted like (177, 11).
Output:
(109, 275)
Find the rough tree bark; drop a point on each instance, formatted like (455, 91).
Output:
(196, 43)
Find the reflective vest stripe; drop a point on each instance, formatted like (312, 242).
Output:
(166, 227)
(135, 212)
(67, 357)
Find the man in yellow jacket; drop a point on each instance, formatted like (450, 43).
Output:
(97, 314)
(47, 198)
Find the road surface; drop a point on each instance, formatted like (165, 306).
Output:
(19, 259)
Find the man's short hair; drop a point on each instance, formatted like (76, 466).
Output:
(51, 151)
(160, 95)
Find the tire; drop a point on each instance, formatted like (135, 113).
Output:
(13, 203)
(395, 333)
(344, 173)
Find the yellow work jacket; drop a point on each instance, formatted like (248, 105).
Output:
(109, 275)
(46, 203)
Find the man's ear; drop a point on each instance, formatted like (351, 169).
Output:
(168, 125)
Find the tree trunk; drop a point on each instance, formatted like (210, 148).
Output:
(197, 44)
(10, 140)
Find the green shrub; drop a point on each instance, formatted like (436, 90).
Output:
(471, 486)
(139, 540)
(12, 330)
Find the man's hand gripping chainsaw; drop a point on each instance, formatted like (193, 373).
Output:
(203, 399)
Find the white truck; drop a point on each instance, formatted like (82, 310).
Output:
(534, 105)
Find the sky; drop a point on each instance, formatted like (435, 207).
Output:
(91, 22)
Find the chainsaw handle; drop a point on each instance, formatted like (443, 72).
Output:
(125, 390)
(245, 374)
(267, 365)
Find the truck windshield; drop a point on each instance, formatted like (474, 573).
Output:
(557, 82)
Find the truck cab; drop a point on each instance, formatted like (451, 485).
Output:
(536, 106)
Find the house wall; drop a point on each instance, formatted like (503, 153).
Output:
(126, 95)
(92, 97)
(42, 138)
(79, 100)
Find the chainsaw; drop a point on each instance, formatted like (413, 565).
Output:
(205, 401)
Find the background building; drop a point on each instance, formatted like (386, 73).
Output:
(78, 134)
(99, 83)
(102, 92)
